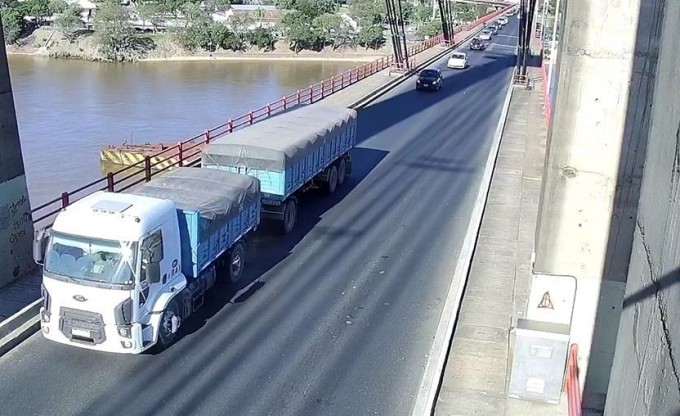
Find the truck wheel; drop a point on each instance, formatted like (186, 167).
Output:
(237, 259)
(342, 171)
(332, 183)
(289, 216)
(169, 319)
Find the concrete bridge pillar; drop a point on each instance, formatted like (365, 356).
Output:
(16, 226)
(593, 173)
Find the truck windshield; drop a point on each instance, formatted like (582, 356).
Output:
(90, 259)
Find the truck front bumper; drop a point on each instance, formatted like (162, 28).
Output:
(92, 335)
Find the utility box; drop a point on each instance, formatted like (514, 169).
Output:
(539, 360)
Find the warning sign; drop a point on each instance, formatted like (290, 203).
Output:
(546, 302)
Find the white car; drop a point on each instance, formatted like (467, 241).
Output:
(485, 35)
(503, 20)
(458, 60)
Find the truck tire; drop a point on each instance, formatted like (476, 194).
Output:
(342, 170)
(332, 183)
(289, 216)
(165, 335)
(237, 260)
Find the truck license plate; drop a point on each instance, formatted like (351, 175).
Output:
(80, 333)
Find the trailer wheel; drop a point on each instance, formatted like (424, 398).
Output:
(289, 216)
(342, 171)
(332, 183)
(169, 319)
(237, 259)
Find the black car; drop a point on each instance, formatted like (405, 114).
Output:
(430, 79)
(477, 45)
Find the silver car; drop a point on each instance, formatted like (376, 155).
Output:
(485, 35)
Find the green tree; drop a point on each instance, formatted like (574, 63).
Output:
(465, 12)
(151, 13)
(372, 36)
(115, 38)
(69, 22)
(12, 23)
(262, 38)
(39, 9)
(196, 30)
(369, 12)
(422, 13)
(216, 5)
(338, 32)
(310, 8)
(430, 29)
(57, 6)
(303, 32)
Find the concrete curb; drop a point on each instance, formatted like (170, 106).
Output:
(19, 327)
(380, 91)
(434, 369)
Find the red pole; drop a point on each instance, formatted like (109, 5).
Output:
(180, 154)
(207, 136)
(64, 199)
(250, 117)
(297, 100)
(109, 181)
(230, 123)
(269, 109)
(285, 103)
(311, 94)
(323, 88)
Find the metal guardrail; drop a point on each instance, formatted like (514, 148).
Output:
(187, 152)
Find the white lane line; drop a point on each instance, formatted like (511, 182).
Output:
(434, 368)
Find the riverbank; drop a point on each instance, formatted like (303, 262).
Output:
(51, 43)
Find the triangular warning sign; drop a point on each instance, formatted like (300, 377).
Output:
(545, 302)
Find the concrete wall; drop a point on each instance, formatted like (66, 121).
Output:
(646, 365)
(16, 227)
(594, 163)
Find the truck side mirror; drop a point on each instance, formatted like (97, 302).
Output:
(40, 245)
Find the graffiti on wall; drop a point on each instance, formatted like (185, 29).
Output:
(16, 229)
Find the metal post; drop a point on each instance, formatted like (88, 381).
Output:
(64, 199)
(207, 136)
(442, 15)
(230, 125)
(402, 34)
(109, 182)
(180, 154)
(147, 168)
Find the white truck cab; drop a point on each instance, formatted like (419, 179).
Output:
(111, 264)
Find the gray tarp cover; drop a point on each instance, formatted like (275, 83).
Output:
(274, 143)
(210, 192)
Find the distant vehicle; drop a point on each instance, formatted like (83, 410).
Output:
(458, 60)
(485, 35)
(430, 79)
(477, 45)
(503, 20)
(493, 29)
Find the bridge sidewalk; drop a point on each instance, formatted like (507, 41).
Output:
(477, 370)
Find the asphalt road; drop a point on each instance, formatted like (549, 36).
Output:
(340, 316)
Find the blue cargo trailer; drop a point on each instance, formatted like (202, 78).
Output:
(215, 209)
(289, 153)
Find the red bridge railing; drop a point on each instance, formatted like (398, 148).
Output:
(571, 383)
(187, 152)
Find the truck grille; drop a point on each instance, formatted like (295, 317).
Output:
(82, 326)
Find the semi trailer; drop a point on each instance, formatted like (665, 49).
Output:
(122, 271)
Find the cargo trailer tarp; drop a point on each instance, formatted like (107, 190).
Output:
(276, 143)
(210, 192)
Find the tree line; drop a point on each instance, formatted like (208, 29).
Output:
(305, 24)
